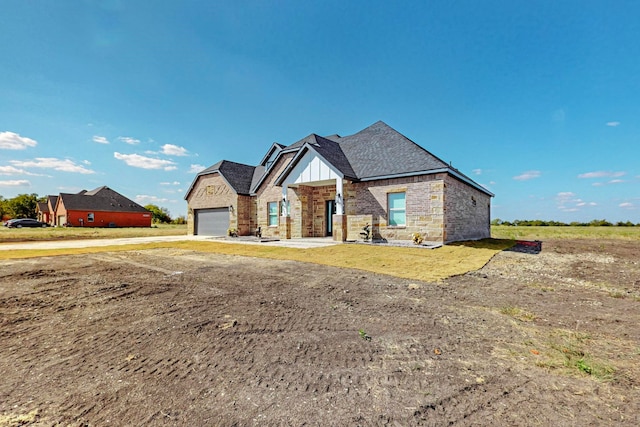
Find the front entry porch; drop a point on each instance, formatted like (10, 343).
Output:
(313, 210)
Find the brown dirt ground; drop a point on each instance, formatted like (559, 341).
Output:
(174, 337)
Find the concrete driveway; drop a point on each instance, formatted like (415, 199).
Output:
(85, 243)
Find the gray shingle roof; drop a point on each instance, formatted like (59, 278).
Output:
(238, 175)
(100, 199)
(380, 150)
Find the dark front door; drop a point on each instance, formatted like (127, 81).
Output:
(330, 209)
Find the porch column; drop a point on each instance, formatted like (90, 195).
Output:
(284, 211)
(285, 220)
(339, 197)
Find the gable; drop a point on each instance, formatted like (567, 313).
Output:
(311, 167)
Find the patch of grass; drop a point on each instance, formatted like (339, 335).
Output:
(542, 287)
(568, 352)
(19, 420)
(75, 233)
(405, 262)
(567, 232)
(364, 335)
(518, 313)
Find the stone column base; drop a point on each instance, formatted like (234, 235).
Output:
(339, 228)
(285, 227)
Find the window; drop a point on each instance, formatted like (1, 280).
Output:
(90, 217)
(272, 212)
(397, 209)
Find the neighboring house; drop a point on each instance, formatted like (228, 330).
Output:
(335, 186)
(43, 213)
(101, 207)
(45, 210)
(51, 205)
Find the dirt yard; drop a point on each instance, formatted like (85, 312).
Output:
(173, 337)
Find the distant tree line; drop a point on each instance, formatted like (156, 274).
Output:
(542, 223)
(25, 206)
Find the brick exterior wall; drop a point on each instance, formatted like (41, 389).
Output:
(439, 207)
(212, 191)
(424, 207)
(467, 212)
(355, 225)
(268, 192)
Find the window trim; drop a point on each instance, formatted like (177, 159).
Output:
(391, 210)
(274, 216)
(90, 217)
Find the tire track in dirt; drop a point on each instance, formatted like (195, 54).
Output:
(124, 260)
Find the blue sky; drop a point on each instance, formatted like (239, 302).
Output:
(537, 101)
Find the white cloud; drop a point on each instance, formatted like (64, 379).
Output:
(196, 168)
(568, 201)
(601, 174)
(173, 150)
(145, 199)
(12, 170)
(616, 181)
(626, 205)
(525, 176)
(100, 139)
(477, 171)
(13, 141)
(613, 124)
(170, 183)
(15, 183)
(144, 162)
(129, 140)
(63, 165)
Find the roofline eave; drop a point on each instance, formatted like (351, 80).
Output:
(432, 172)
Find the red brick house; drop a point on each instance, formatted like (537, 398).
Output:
(102, 207)
(334, 186)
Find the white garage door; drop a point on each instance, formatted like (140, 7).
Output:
(212, 222)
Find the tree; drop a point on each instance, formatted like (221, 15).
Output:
(179, 220)
(160, 215)
(23, 206)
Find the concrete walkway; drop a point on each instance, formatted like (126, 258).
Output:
(85, 243)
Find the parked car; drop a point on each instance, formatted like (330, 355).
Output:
(25, 222)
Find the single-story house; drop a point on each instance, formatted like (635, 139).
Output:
(45, 210)
(335, 186)
(102, 207)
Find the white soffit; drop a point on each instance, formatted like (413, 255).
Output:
(311, 168)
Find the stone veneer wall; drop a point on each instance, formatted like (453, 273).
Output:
(424, 207)
(467, 212)
(211, 191)
(320, 195)
(268, 192)
(241, 216)
(355, 225)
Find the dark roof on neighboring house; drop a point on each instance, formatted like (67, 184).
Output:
(237, 175)
(53, 200)
(100, 199)
(43, 207)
